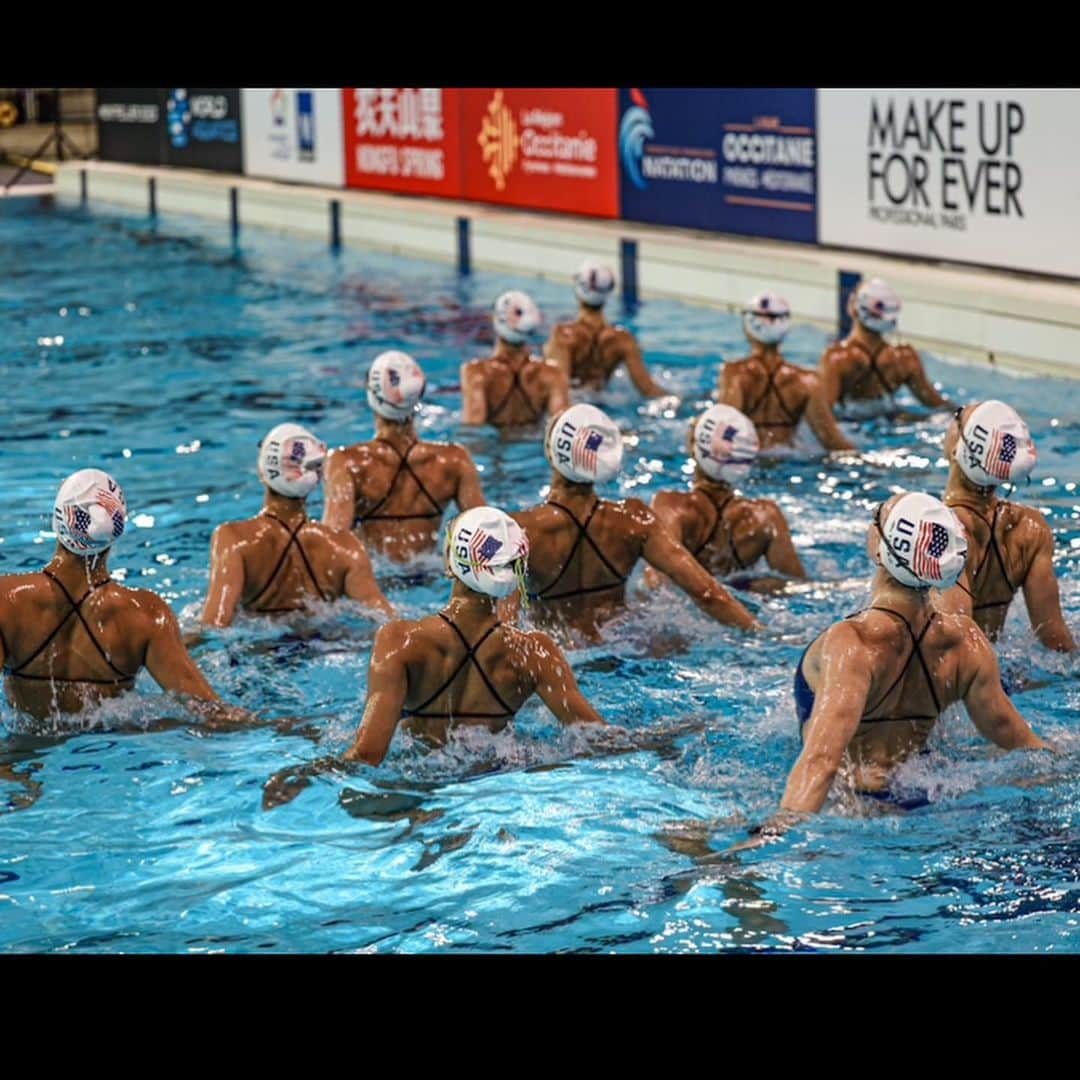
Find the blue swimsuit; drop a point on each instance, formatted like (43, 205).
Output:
(907, 799)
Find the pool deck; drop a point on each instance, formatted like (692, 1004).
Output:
(1017, 322)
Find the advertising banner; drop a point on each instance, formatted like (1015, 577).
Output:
(131, 124)
(544, 149)
(403, 139)
(982, 176)
(202, 128)
(730, 160)
(293, 134)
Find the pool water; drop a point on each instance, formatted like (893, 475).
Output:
(163, 354)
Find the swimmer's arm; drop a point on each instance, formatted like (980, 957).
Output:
(175, 672)
(339, 494)
(388, 684)
(226, 580)
(555, 683)
(832, 374)
(990, 708)
(731, 388)
(1043, 598)
(671, 517)
(838, 709)
(473, 401)
(819, 416)
(558, 391)
(639, 373)
(559, 349)
(360, 583)
(920, 385)
(671, 558)
(781, 554)
(469, 492)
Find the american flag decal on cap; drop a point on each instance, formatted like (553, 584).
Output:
(932, 541)
(108, 500)
(583, 452)
(1000, 455)
(483, 548)
(78, 521)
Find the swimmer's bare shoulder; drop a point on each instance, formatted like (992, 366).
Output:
(635, 515)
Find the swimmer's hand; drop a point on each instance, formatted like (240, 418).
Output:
(769, 832)
(287, 783)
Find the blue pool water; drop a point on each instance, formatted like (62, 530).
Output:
(163, 355)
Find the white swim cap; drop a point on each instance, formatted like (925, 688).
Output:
(593, 283)
(767, 318)
(487, 551)
(291, 461)
(90, 512)
(584, 445)
(923, 545)
(725, 443)
(877, 306)
(995, 445)
(395, 385)
(516, 316)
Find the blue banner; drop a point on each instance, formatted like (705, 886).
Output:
(728, 160)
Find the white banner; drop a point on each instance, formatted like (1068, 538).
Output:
(292, 134)
(981, 176)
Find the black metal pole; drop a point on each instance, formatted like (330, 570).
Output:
(57, 128)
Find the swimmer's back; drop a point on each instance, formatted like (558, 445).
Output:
(594, 354)
(445, 686)
(516, 397)
(33, 610)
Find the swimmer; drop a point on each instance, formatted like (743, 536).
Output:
(774, 394)
(1009, 546)
(590, 349)
(511, 389)
(863, 372)
(70, 636)
(723, 530)
(394, 489)
(584, 548)
(463, 666)
(278, 561)
(870, 689)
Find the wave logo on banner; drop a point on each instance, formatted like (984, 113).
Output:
(178, 117)
(499, 140)
(634, 129)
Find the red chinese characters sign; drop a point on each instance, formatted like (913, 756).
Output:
(403, 139)
(544, 149)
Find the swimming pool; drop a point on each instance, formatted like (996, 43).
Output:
(163, 355)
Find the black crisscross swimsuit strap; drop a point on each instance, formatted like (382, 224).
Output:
(76, 610)
(516, 385)
(992, 548)
(403, 467)
(873, 369)
(771, 388)
(711, 534)
(582, 537)
(470, 657)
(292, 541)
(915, 654)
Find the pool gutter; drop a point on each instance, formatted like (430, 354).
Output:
(1019, 323)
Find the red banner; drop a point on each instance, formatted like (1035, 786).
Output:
(544, 149)
(403, 139)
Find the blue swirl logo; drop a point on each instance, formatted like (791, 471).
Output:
(634, 129)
